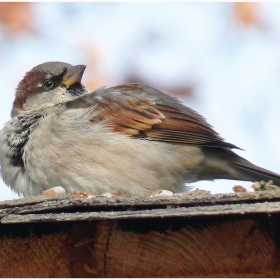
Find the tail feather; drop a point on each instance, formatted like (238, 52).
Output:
(223, 163)
(257, 173)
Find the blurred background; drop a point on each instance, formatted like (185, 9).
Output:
(221, 59)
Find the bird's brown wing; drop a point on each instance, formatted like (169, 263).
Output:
(125, 111)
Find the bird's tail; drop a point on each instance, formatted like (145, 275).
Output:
(256, 173)
(225, 164)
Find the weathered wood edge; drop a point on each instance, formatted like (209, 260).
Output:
(217, 210)
(39, 203)
(120, 207)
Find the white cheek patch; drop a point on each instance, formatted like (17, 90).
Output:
(45, 99)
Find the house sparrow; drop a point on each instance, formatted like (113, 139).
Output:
(133, 138)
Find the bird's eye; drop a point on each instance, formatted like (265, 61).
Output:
(48, 84)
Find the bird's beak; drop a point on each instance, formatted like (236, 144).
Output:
(73, 75)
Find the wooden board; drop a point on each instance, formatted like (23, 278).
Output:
(194, 235)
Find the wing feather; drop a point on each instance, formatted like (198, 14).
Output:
(127, 109)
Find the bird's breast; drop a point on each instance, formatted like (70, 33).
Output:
(13, 139)
(65, 149)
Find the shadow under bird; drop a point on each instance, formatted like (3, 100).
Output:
(133, 138)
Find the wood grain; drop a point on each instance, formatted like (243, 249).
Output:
(244, 244)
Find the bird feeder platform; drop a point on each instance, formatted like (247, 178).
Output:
(194, 234)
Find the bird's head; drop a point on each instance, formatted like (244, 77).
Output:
(46, 85)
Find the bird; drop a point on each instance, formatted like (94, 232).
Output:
(133, 138)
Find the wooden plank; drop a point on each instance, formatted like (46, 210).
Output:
(42, 202)
(220, 246)
(235, 209)
(194, 235)
(215, 203)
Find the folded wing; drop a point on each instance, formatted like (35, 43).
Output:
(129, 110)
